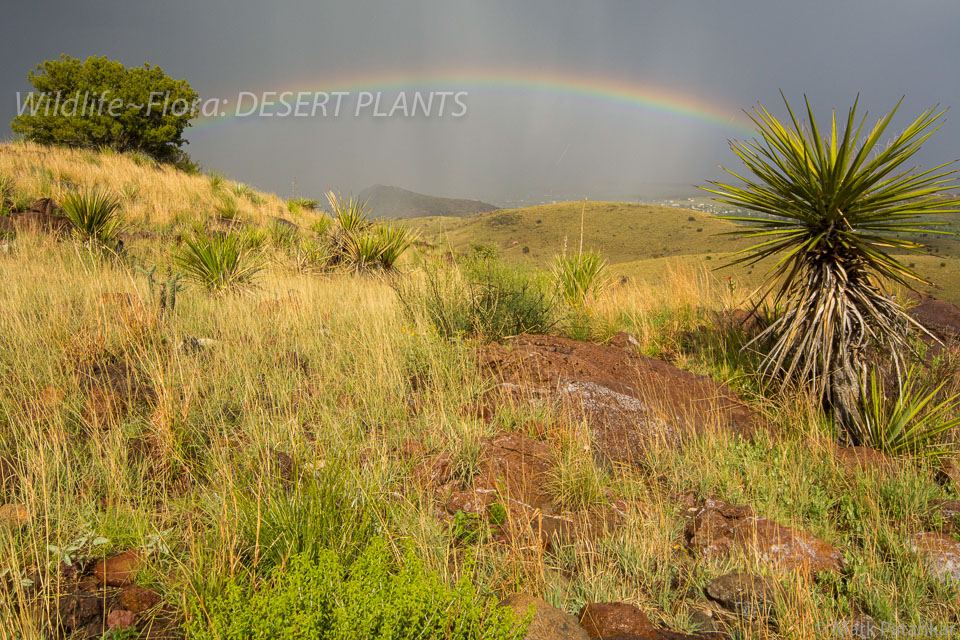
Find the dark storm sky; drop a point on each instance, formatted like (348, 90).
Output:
(512, 143)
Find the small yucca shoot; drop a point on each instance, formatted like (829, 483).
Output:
(580, 277)
(94, 214)
(913, 423)
(221, 263)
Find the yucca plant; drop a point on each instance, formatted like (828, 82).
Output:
(831, 210)
(350, 216)
(220, 263)
(580, 277)
(300, 204)
(95, 215)
(364, 250)
(395, 240)
(912, 423)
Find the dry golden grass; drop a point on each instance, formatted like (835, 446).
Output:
(320, 369)
(151, 194)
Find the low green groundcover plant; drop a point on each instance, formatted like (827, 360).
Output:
(373, 598)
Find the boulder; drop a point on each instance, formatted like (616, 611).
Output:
(606, 619)
(940, 554)
(119, 570)
(717, 529)
(548, 622)
(628, 400)
(746, 595)
(43, 216)
(939, 317)
(138, 599)
(865, 459)
(14, 515)
(120, 619)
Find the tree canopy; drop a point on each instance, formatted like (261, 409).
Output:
(98, 102)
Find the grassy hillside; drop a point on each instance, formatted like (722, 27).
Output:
(238, 451)
(643, 241)
(151, 194)
(396, 203)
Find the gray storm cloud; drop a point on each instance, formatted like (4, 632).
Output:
(515, 142)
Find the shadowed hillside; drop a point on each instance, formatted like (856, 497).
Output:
(394, 202)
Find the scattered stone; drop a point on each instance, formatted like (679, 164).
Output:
(718, 528)
(138, 599)
(749, 322)
(939, 317)
(605, 619)
(865, 459)
(949, 509)
(940, 554)
(746, 595)
(624, 340)
(119, 570)
(119, 619)
(548, 623)
(43, 216)
(283, 222)
(628, 400)
(195, 345)
(14, 515)
(79, 610)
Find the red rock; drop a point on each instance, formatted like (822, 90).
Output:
(719, 528)
(548, 623)
(118, 570)
(628, 400)
(865, 459)
(138, 599)
(121, 619)
(605, 619)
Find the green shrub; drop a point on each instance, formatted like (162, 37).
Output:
(374, 598)
(913, 423)
(156, 132)
(321, 225)
(220, 263)
(94, 214)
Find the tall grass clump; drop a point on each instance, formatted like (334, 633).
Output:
(481, 297)
(831, 210)
(95, 215)
(220, 263)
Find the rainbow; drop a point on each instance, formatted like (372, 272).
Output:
(616, 91)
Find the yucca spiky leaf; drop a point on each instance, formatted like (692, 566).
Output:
(94, 214)
(832, 212)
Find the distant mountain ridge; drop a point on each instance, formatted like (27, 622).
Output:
(396, 203)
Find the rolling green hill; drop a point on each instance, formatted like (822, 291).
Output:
(642, 241)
